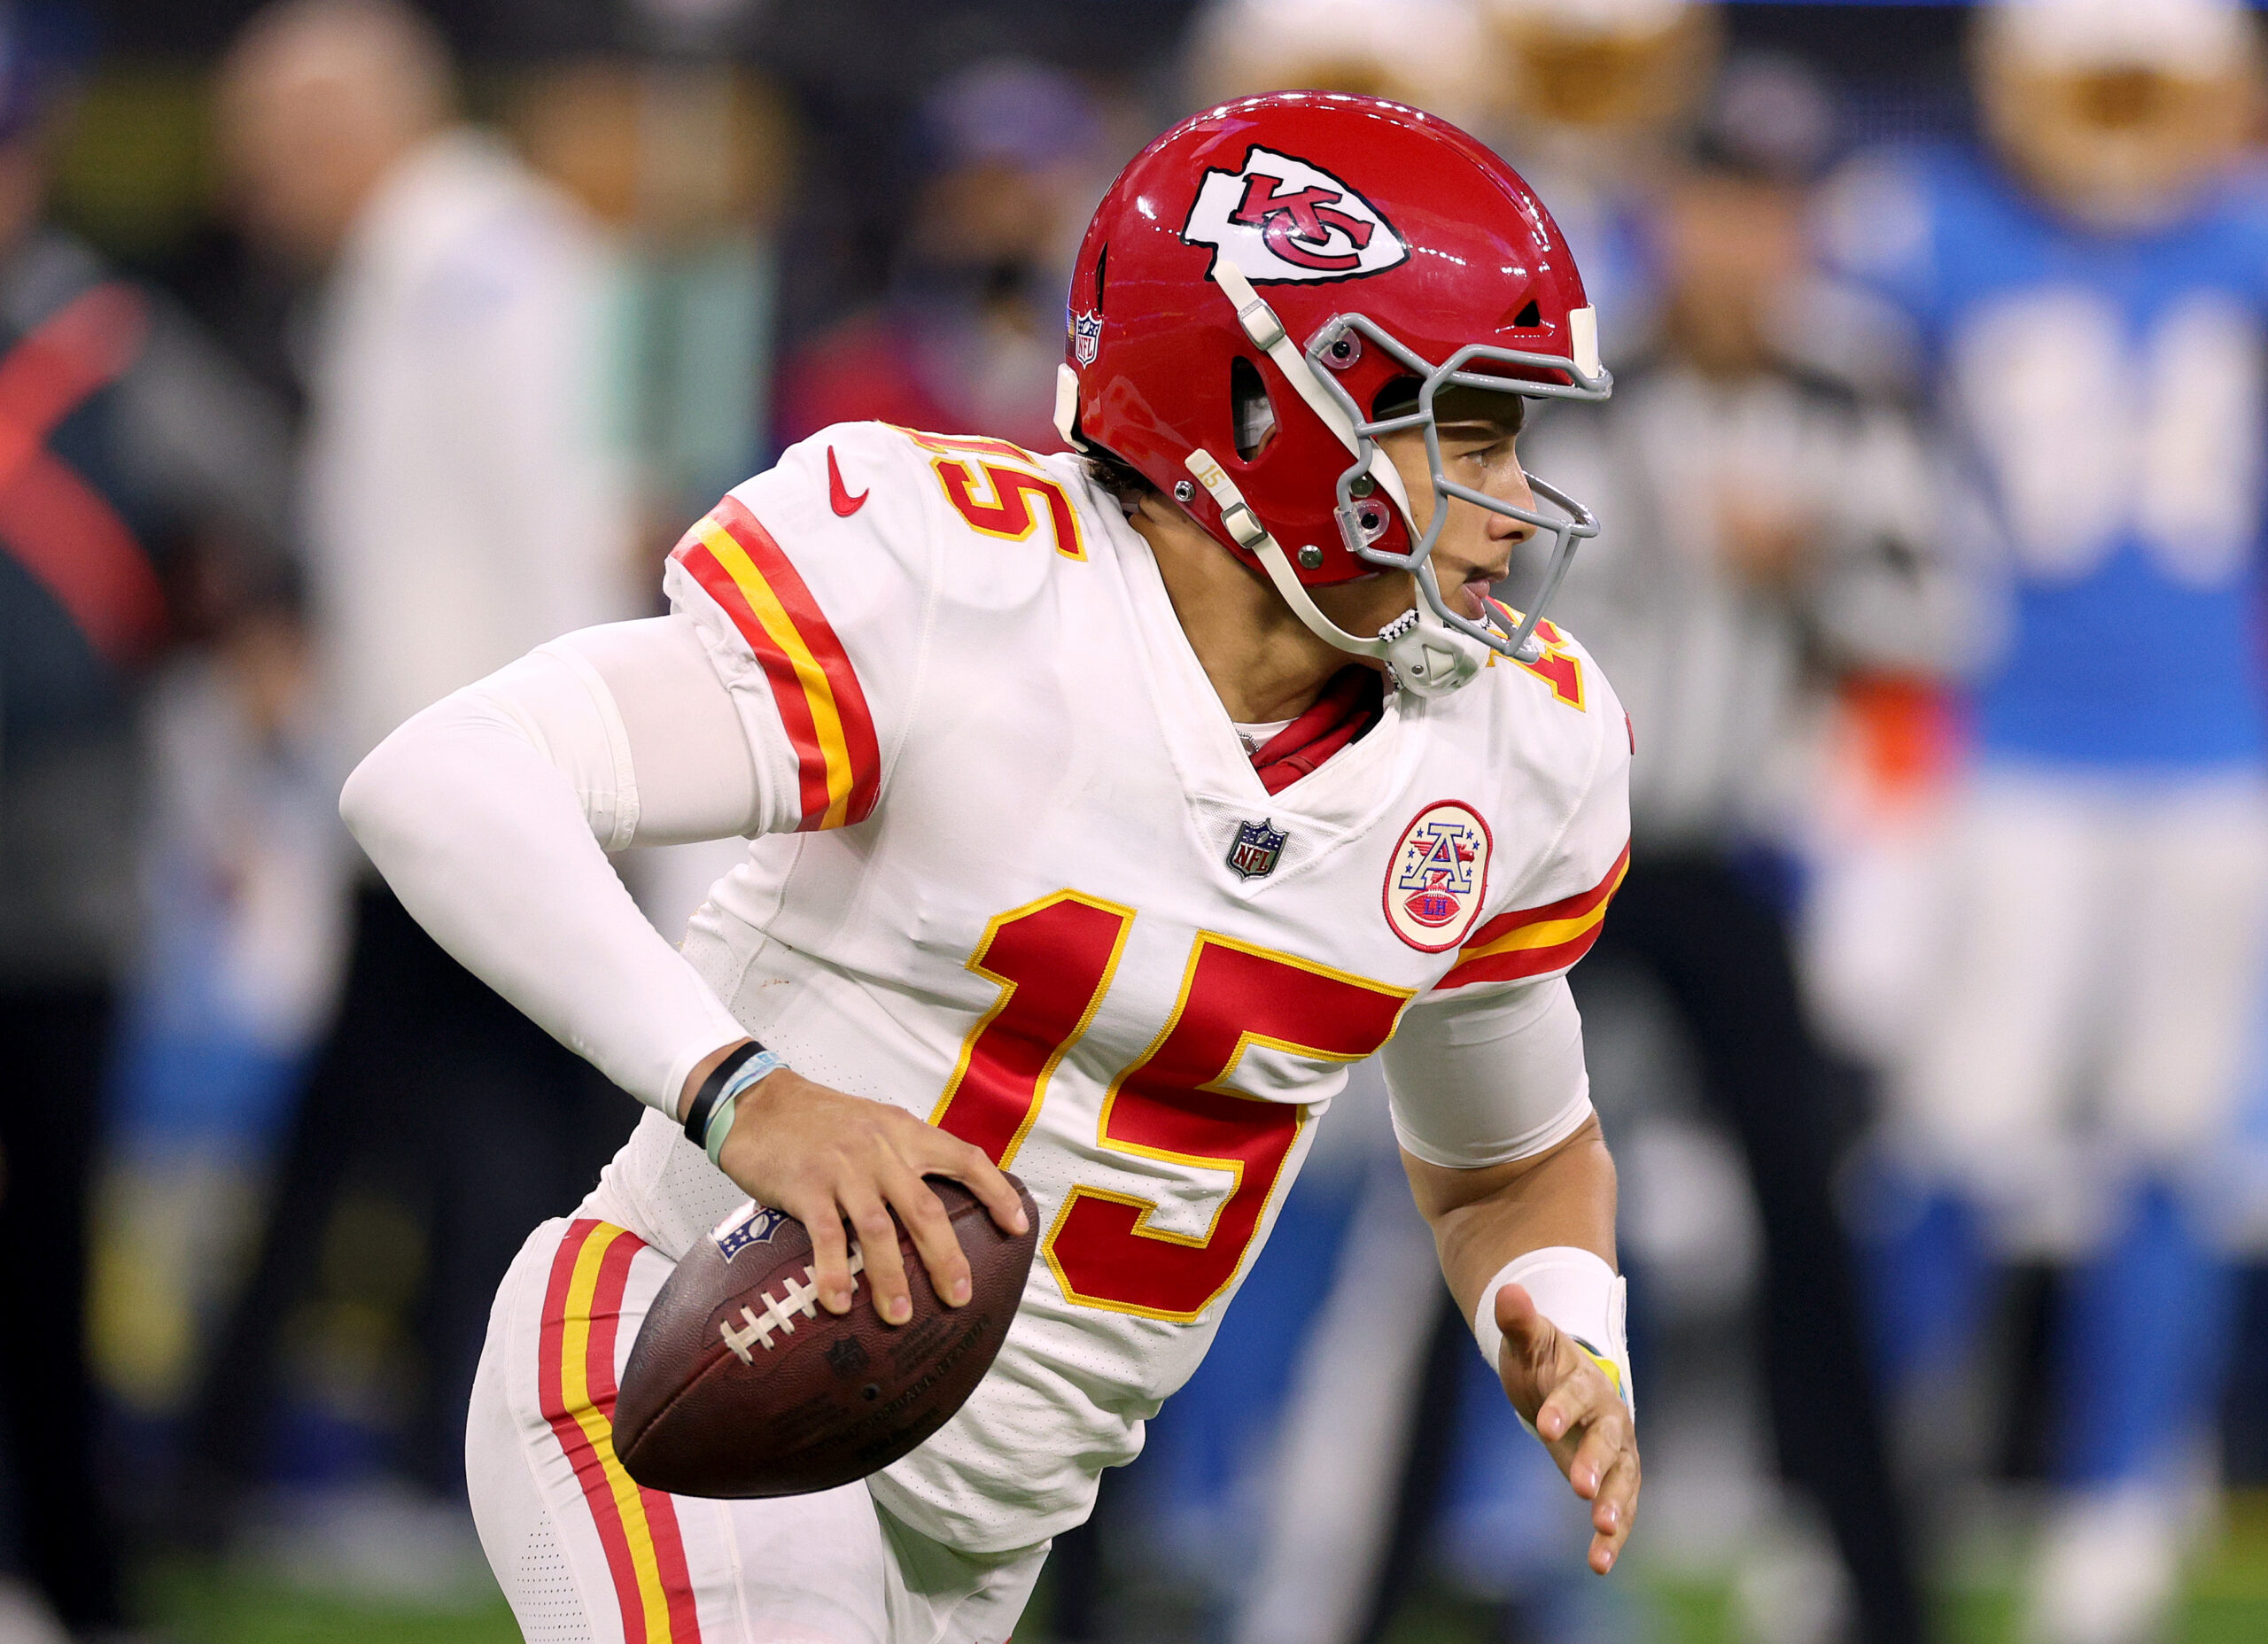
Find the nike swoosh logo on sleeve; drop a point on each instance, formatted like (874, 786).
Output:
(838, 493)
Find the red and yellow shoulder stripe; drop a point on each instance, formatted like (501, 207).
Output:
(1558, 667)
(638, 1527)
(1535, 941)
(732, 557)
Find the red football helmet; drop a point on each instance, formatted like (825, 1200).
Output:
(1397, 256)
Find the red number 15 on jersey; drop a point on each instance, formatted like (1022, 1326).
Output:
(1054, 960)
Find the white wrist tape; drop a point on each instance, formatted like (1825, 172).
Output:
(1579, 1293)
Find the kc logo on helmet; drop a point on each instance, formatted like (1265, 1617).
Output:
(1282, 219)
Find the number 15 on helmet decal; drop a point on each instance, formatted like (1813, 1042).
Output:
(1401, 258)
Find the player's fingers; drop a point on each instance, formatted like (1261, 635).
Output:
(1617, 1503)
(932, 1231)
(870, 1219)
(939, 1153)
(1614, 1512)
(1577, 1394)
(830, 1249)
(1601, 1445)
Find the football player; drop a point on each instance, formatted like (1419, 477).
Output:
(1105, 806)
(1594, 99)
(2092, 299)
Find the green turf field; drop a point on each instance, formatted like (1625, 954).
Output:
(2227, 1604)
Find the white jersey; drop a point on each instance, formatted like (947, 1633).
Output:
(1018, 875)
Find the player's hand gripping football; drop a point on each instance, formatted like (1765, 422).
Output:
(1577, 1411)
(825, 1159)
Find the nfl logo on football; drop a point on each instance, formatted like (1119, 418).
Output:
(1256, 848)
(751, 1224)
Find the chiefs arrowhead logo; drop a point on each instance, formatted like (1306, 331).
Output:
(1282, 219)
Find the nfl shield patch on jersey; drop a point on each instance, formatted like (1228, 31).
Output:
(1256, 849)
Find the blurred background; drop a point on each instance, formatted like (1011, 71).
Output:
(348, 348)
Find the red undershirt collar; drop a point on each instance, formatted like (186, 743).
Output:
(1351, 703)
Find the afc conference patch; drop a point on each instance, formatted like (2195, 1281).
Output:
(751, 1224)
(1438, 877)
(1257, 847)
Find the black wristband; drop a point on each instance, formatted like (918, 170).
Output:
(704, 1099)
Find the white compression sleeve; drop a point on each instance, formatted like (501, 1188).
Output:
(695, 777)
(487, 814)
(1480, 1079)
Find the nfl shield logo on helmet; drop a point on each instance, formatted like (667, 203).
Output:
(1256, 849)
(1438, 878)
(1086, 337)
(1276, 218)
(751, 1224)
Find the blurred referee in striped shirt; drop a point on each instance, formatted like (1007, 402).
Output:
(1764, 540)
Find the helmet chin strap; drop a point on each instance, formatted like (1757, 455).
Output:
(1427, 656)
(1267, 335)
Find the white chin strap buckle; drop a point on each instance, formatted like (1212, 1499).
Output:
(1429, 659)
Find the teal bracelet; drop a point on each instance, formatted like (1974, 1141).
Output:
(721, 1114)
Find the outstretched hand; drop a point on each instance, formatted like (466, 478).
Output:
(825, 1159)
(1578, 1412)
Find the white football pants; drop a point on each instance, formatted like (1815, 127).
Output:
(2103, 941)
(586, 1555)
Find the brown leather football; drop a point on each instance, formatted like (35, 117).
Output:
(739, 1384)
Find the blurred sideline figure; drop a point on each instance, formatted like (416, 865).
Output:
(239, 944)
(1595, 97)
(969, 333)
(1432, 54)
(2090, 311)
(1769, 538)
(462, 503)
(686, 156)
(140, 471)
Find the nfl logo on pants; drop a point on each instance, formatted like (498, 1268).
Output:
(1257, 846)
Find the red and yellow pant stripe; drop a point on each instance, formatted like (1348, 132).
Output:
(638, 1527)
(1535, 941)
(743, 569)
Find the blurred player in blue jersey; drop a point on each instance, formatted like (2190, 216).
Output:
(2089, 299)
